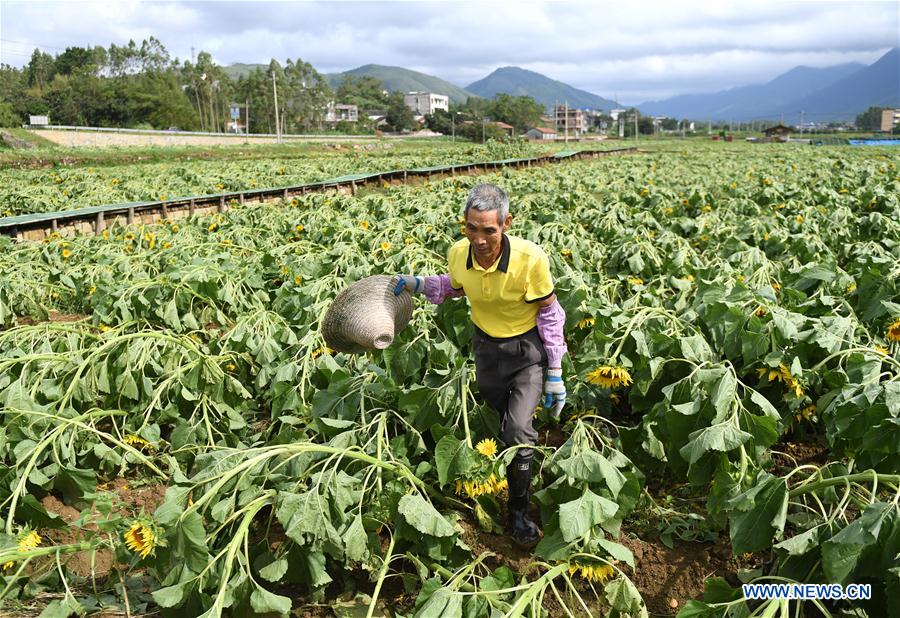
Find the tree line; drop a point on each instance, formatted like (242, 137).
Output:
(143, 86)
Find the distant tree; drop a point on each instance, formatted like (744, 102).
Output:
(364, 91)
(305, 96)
(440, 122)
(870, 120)
(474, 108)
(209, 89)
(8, 115)
(480, 132)
(603, 121)
(14, 103)
(645, 124)
(40, 70)
(521, 112)
(399, 116)
(157, 98)
(80, 61)
(255, 90)
(668, 124)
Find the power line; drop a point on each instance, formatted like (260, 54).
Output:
(32, 44)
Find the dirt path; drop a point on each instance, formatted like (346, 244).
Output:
(99, 139)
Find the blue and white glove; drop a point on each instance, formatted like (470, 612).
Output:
(554, 392)
(410, 282)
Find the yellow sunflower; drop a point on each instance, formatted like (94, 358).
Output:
(140, 539)
(317, 353)
(66, 254)
(592, 572)
(385, 246)
(364, 225)
(609, 377)
(471, 488)
(635, 281)
(893, 330)
(487, 447)
(27, 541)
(136, 441)
(806, 413)
(586, 323)
(782, 374)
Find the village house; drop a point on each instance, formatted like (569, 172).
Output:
(540, 133)
(424, 103)
(339, 112)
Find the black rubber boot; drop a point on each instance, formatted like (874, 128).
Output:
(524, 532)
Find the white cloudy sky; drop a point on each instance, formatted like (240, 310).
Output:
(634, 50)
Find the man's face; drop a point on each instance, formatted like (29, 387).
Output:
(485, 232)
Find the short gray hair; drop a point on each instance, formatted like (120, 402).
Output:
(486, 197)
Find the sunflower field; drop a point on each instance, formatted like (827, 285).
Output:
(63, 186)
(177, 440)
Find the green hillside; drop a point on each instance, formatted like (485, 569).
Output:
(546, 91)
(403, 80)
(239, 69)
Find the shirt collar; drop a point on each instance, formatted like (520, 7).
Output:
(502, 262)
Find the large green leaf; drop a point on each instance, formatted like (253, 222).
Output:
(589, 465)
(758, 515)
(421, 515)
(721, 437)
(578, 516)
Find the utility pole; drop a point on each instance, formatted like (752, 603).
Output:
(567, 121)
(453, 125)
(801, 121)
(482, 129)
(635, 125)
(247, 114)
(277, 121)
(556, 117)
(709, 127)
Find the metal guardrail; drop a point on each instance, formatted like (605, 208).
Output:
(94, 219)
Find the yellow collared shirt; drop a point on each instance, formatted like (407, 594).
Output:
(504, 297)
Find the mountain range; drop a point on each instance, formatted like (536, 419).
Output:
(832, 93)
(822, 94)
(404, 80)
(546, 91)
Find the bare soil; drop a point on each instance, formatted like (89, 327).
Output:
(666, 578)
(53, 316)
(133, 502)
(789, 455)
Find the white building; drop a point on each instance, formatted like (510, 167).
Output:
(341, 112)
(423, 103)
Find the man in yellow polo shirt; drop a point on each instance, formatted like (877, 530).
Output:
(518, 332)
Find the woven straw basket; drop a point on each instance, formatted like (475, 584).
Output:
(366, 316)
